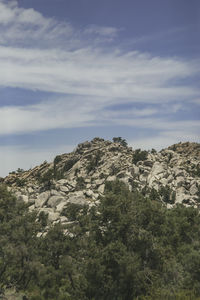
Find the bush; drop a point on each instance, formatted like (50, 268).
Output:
(57, 159)
(47, 177)
(80, 183)
(20, 182)
(94, 161)
(69, 164)
(120, 140)
(167, 195)
(128, 247)
(139, 156)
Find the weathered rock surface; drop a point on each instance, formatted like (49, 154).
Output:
(80, 177)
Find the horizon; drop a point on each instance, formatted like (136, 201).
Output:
(74, 71)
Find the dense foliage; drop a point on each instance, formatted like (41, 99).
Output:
(139, 155)
(120, 140)
(130, 247)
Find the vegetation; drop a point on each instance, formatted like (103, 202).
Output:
(80, 185)
(167, 195)
(196, 171)
(57, 159)
(46, 178)
(19, 170)
(94, 161)
(120, 140)
(69, 164)
(20, 182)
(139, 155)
(129, 248)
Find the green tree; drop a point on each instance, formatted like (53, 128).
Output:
(120, 140)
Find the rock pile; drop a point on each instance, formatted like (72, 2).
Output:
(79, 177)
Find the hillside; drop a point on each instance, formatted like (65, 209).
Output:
(171, 175)
(103, 222)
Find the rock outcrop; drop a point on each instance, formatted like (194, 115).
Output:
(79, 177)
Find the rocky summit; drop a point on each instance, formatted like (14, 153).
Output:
(171, 176)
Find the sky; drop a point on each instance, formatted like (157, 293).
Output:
(72, 70)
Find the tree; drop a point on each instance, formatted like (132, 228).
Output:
(120, 140)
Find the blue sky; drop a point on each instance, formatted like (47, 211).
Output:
(73, 70)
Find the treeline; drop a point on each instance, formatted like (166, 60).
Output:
(128, 248)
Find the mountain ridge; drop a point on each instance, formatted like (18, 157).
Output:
(171, 176)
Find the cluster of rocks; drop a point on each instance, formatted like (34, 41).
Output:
(80, 177)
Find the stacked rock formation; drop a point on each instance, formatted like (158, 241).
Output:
(173, 175)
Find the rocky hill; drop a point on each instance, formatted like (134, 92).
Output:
(171, 176)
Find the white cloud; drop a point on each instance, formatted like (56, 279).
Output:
(19, 26)
(7, 11)
(196, 101)
(95, 73)
(10, 13)
(110, 32)
(39, 53)
(163, 124)
(74, 111)
(33, 56)
(46, 115)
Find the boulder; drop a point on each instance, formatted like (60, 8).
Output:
(180, 181)
(62, 182)
(30, 190)
(80, 200)
(42, 199)
(193, 189)
(179, 198)
(64, 189)
(157, 168)
(99, 181)
(55, 200)
(63, 219)
(23, 198)
(164, 181)
(60, 206)
(89, 193)
(179, 172)
(111, 178)
(143, 178)
(31, 208)
(53, 216)
(101, 188)
(54, 193)
(170, 178)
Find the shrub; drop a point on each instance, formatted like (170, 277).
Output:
(57, 159)
(94, 161)
(114, 169)
(167, 195)
(120, 140)
(47, 177)
(153, 151)
(80, 183)
(20, 182)
(19, 170)
(139, 155)
(69, 164)
(196, 171)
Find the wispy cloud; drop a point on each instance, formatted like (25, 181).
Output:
(43, 54)
(173, 32)
(83, 68)
(93, 72)
(20, 26)
(105, 31)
